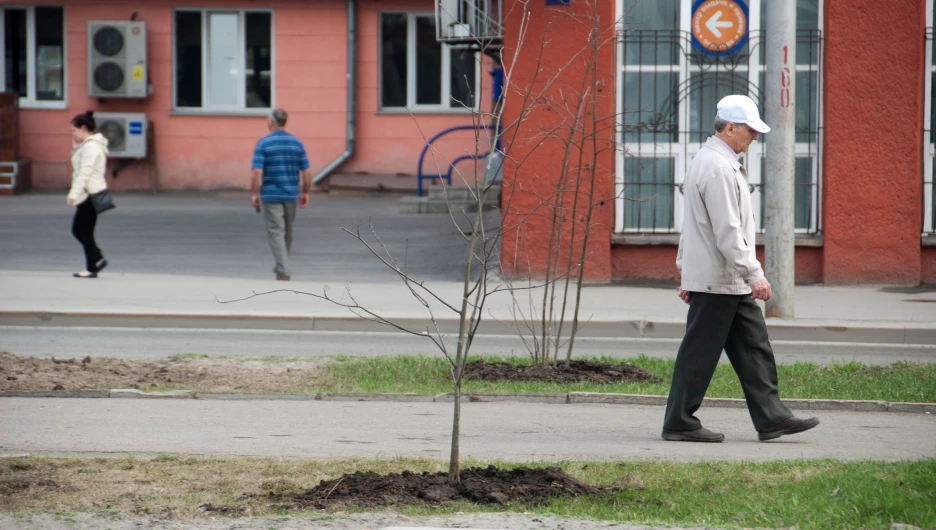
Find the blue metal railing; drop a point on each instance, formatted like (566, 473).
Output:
(421, 176)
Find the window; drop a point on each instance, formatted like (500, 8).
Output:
(929, 121)
(666, 107)
(419, 73)
(34, 54)
(223, 59)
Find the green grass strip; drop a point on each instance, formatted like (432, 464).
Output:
(814, 494)
(898, 382)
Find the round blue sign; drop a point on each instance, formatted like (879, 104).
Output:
(719, 27)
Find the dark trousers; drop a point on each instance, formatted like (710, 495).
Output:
(83, 230)
(735, 324)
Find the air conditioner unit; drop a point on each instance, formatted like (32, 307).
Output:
(125, 133)
(472, 22)
(117, 59)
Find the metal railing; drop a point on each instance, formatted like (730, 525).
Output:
(669, 91)
(447, 175)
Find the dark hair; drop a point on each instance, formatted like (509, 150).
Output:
(85, 120)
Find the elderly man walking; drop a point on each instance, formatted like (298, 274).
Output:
(721, 279)
(278, 161)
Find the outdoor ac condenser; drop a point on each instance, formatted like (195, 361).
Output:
(125, 133)
(117, 59)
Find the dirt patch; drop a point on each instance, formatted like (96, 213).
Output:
(197, 374)
(490, 485)
(576, 371)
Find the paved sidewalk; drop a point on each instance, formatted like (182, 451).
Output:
(174, 254)
(844, 314)
(510, 431)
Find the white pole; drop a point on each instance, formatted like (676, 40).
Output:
(780, 81)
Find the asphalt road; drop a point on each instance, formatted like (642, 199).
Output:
(509, 431)
(135, 343)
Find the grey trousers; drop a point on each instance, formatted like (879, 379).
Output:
(279, 217)
(735, 324)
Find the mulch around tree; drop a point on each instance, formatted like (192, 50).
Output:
(490, 485)
(576, 371)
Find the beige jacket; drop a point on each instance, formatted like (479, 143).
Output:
(716, 247)
(88, 162)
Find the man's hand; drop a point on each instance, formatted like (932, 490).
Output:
(686, 296)
(761, 290)
(255, 200)
(70, 201)
(303, 200)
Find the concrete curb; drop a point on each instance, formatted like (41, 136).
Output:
(843, 331)
(543, 398)
(130, 393)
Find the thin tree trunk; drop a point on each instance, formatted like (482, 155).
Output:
(591, 201)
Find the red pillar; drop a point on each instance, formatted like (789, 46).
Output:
(873, 147)
(549, 65)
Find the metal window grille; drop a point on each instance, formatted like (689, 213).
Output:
(668, 91)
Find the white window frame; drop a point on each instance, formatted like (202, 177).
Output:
(683, 150)
(411, 105)
(929, 148)
(241, 106)
(30, 101)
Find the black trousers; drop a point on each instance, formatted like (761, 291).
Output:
(83, 230)
(735, 324)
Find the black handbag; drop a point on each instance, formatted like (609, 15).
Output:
(102, 201)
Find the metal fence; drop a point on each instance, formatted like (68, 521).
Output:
(669, 92)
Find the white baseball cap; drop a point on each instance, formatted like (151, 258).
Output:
(741, 109)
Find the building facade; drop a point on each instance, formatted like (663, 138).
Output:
(215, 68)
(864, 199)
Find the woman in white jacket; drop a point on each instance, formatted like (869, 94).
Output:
(89, 157)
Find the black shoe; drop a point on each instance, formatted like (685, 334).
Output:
(791, 425)
(99, 266)
(699, 435)
(84, 274)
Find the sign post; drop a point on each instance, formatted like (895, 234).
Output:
(780, 79)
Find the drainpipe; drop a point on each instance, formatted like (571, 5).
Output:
(352, 97)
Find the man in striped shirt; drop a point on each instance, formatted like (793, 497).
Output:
(278, 161)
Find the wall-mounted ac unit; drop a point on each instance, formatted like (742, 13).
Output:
(117, 59)
(125, 133)
(476, 23)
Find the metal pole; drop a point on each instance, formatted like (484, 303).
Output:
(780, 112)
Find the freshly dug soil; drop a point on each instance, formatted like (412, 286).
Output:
(204, 375)
(490, 485)
(574, 372)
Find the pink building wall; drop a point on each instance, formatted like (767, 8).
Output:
(213, 151)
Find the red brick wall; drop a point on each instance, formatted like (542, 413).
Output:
(659, 263)
(928, 265)
(550, 64)
(873, 115)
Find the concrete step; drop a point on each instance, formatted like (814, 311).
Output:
(430, 205)
(461, 193)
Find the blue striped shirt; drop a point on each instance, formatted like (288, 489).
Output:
(281, 156)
